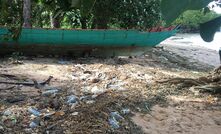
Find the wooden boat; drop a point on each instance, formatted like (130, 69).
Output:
(100, 43)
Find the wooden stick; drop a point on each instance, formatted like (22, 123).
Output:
(8, 88)
(182, 80)
(35, 83)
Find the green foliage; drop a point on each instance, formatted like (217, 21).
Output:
(71, 19)
(11, 13)
(140, 14)
(193, 18)
(171, 9)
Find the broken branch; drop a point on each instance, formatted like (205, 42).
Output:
(189, 81)
(35, 83)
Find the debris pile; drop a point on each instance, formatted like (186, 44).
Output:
(89, 95)
(54, 109)
(210, 83)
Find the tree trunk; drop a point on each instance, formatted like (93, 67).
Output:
(93, 25)
(83, 23)
(99, 23)
(27, 13)
(102, 24)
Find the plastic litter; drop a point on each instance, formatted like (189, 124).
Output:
(33, 125)
(114, 123)
(96, 90)
(14, 120)
(75, 114)
(116, 115)
(63, 62)
(72, 99)
(48, 115)
(125, 111)
(114, 118)
(7, 113)
(90, 102)
(50, 92)
(34, 111)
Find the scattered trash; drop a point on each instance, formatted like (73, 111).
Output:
(73, 105)
(34, 111)
(116, 115)
(85, 101)
(18, 62)
(90, 102)
(75, 114)
(7, 113)
(48, 115)
(72, 99)
(125, 111)
(118, 85)
(84, 98)
(14, 120)
(94, 96)
(50, 92)
(33, 125)
(114, 119)
(62, 62)
(96, 90)
(114, 123)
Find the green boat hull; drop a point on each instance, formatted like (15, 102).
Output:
(82, 42)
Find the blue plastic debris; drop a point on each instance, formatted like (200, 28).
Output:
(34, 111)
(114, 123)
(116, 115)
(33, 125)
(72, 99)
(114, 119)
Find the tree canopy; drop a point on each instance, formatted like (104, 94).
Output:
(171, 12)
(103, 14)
(85, 13)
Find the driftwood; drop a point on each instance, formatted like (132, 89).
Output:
(203, 84)
(186, 81)
(34, 83)
(13, 77)
(7, 88)
(216, 89)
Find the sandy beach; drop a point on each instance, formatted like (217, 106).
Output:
(194, 48)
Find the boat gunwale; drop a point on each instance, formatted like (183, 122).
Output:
(74, 29)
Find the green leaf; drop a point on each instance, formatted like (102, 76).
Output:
(208, 29)
(171, 9)
(75, 3)
(85, 6)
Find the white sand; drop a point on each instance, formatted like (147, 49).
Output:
(193, 47)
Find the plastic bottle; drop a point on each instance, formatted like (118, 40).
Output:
(34, 111)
